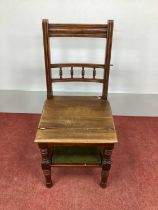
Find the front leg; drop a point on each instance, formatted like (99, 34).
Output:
(106, 164)
(45, 164)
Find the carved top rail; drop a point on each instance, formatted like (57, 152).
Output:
(78, 30)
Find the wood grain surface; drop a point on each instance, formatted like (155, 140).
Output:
(71, 119)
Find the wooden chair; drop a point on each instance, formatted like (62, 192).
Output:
(76, 130)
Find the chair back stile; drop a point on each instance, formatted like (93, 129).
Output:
(77, 30)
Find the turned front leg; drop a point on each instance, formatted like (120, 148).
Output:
(106, 164)
(45, 164)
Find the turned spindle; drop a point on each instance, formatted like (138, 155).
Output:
(72, 72)
(60, 72)
(94, 73)
(83, 72)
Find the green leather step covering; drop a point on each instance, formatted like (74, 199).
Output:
(76, 155)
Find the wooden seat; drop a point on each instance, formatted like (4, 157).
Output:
(76, 120)
(76, 130)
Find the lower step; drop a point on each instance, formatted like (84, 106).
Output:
(73, 155)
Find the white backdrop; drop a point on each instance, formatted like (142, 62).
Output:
(135, 45)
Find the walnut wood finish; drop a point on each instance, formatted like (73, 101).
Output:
(47, 58)
(106, 164)
(72, 79)
(86, 65)
(107, 58)
(94, 73)
(76, 121)
(77, 30)
(46, 164)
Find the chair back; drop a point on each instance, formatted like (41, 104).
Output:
(77, 30)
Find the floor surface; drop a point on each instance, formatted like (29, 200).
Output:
(132, 185)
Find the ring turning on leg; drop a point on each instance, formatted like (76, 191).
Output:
(45, 164)
(106, 164)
